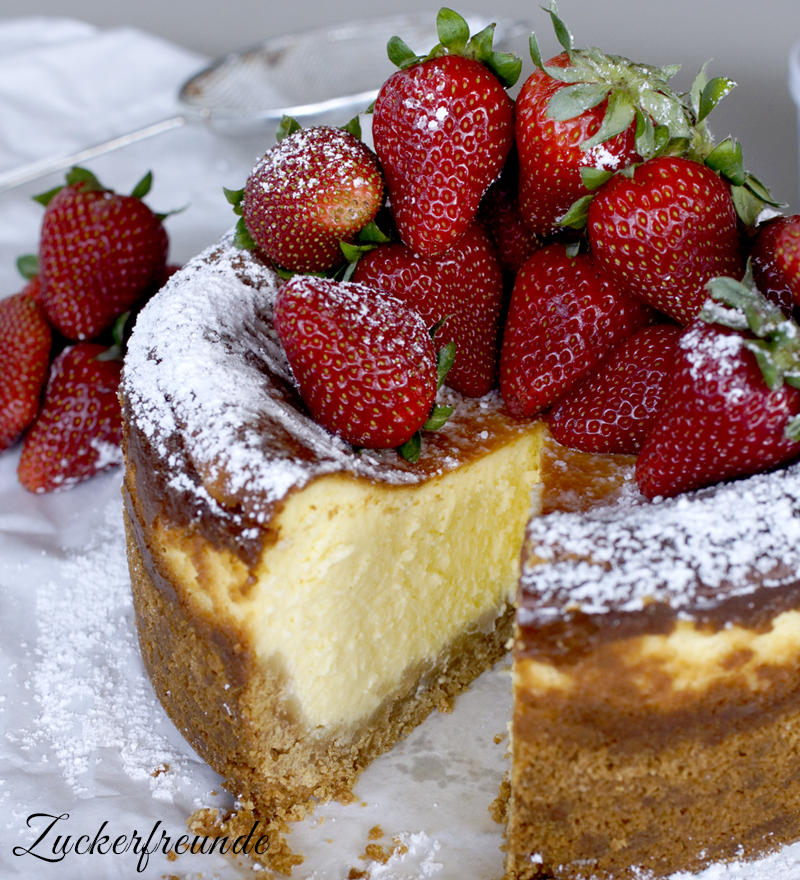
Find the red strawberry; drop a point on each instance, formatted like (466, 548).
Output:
(664, 231)
(550, 151)
(315, 188)
(99, 252)
(33, 289)
(442, 127)
(465, 286)
(364, 362)
(78, 431)
(587, 113)
(565, 317)
(775, 257)
(25, 341)
(499, 214)
(721, 418)
(612, 409)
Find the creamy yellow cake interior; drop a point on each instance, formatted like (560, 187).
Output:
(366, 580)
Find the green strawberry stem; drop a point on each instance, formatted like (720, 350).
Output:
(777, 343)
(750, 196)
(666, 123)
(634, 92)
(439, 414)
(454, 39)
(367, 240)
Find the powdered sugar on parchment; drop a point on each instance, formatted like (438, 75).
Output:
(88, 678)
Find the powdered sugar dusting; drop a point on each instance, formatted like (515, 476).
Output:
(88, 681)
(414, 858)
(689, 552)
(207, 382)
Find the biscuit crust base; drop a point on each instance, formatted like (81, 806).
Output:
(238, 715)
(606, 784)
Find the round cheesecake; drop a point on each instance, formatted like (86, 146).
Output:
(302, 605)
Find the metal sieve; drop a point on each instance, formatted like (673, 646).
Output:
(320, 77)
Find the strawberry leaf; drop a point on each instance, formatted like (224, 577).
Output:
(536, 55)
(619, 117)
(578, 214)
(645, 135)
(562, 31)
(46, 197)
(713, 92)
(353, 127)
(28, 266)
(438, 418)
(372, 234)
(83, 178)
(594, 178)
(400, 54)
(777, 346)
(506, 67)
(726, 159)
(288, 125)
(572, 101)
(142, 188)
(445, 358)
(453, 31)
(666, 111)
(412, 448)
(242, 238)
(480, 45)
(696, 91)
(234, 197)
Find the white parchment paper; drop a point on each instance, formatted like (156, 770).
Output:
(85, 748)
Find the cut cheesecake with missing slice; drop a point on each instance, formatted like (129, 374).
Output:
(302, 605)
(656, 722)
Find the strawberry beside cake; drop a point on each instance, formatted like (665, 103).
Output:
(333, 470)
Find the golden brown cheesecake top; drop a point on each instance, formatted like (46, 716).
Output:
(215, 428)
(721, 556)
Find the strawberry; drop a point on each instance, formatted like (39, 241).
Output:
(443, 127)
(612, 409)
(662, 232)
(25, 341)
(732, 401)
(584, 114)
(364, 362)
(315, 188)
(465, 286)
(99, 252)
(78, 431)
(775, 258)
(565, 317)
(499, 214)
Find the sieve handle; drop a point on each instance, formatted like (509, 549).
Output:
(35, 170)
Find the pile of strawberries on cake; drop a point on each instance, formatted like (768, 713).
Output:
(101, 256)
(587, 249)
(582, 248)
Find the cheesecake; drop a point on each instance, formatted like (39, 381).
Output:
(302, 605)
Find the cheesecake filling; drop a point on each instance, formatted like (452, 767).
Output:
(688, 660)
(367, 581)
